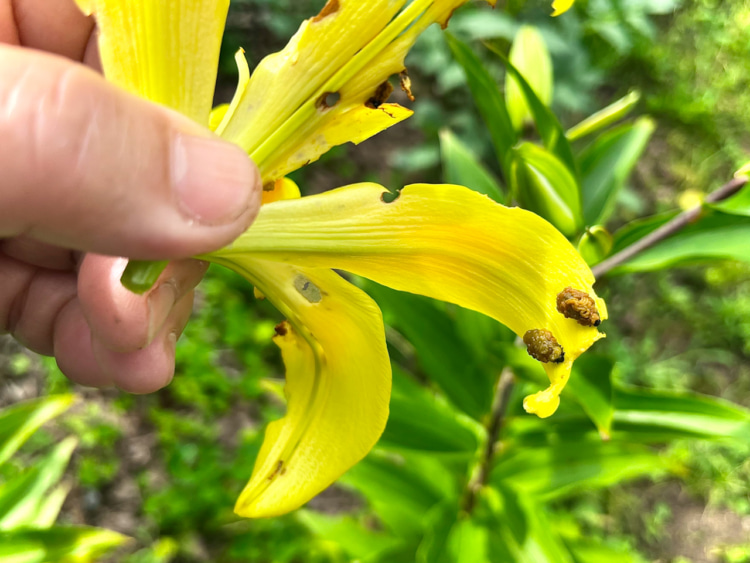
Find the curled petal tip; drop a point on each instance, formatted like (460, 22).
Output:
(543, 404)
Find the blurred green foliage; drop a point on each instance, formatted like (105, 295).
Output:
(556, 490)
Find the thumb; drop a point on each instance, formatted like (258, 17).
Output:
(90, 167)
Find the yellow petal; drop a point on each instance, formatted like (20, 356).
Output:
(163, 50)
(338, 384)
(285, 115)
(447, 242)
(338, 127)
(283, 188)
(561, 6)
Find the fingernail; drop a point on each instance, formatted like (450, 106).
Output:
(215, 181)
(160, 304)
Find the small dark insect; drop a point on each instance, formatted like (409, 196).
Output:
(543, 346)
(578, 305)
(381, 95)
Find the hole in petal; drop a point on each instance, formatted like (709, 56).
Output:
(307, 289)
(381, 95)
(389, 197)
(328, 100)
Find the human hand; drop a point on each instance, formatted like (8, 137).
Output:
(89, 173)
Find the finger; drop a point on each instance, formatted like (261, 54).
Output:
(92, 168)
(152, 368)
(8, 29)
(73, 348)
(57, 26)
(30, 301)
(121, 320)
(39, 254)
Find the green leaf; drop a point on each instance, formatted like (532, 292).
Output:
(420, 420)
(640, 416)
(441, 352)
(58, 545)
(49, 508)
(716, 236)
(439, 522)
(529, 54)
(604, 117)
(591, 384)
(607, 163)
(19, 422)
(401, 488)
(519, 529)
(541, 183)
(488, 99)
(547, 124)
(686, 413)
(561, 470)
(351, 535)
(461, 167)
(587, 551)
(22, 497)
(738, 204)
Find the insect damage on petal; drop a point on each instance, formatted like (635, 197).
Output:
(406, 85)
(278, 469)
(331, 7)
(579, 306)
(328, 100)
(307, 289)
(381, 95)
(543, 346)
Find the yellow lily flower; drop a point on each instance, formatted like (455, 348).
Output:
(328, 87)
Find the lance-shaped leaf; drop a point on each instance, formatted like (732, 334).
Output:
(446, 242)
(541, 183)
(338, 384)
(529, 54)
(167, 52)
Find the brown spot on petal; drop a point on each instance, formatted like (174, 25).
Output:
(331, 7)
(281, 329)
(579, 306)
(276, 470)
(543, 346)
(381, 95)
(406, 84)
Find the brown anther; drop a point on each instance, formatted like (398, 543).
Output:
(579, 306)
(406, 84)
(543, 346)
(281, 329)
(269, 186)
(331, 7)
(381, 95)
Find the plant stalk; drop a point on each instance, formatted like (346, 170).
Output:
(494, 427)
(669, 228)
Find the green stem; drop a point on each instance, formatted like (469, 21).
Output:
(140, 276)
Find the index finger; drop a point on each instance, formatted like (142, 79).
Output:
(55, 26)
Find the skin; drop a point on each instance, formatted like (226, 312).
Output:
(86, 178)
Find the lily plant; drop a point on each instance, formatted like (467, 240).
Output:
(330, 86)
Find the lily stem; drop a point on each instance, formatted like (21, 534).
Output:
(494, 427)
(669, 228)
